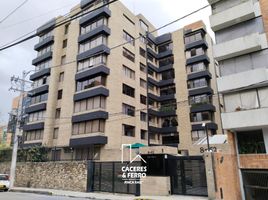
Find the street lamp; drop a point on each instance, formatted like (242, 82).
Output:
(204, 125)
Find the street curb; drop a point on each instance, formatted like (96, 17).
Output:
(31, 191)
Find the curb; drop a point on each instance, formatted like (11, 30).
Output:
(31, 191)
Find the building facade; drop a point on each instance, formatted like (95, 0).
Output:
(90, 93)
(241, 29)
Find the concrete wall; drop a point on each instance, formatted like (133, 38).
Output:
(156, 186)
(55, 175)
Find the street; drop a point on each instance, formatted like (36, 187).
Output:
(29, 196)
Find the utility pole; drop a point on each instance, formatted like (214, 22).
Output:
(18, 85)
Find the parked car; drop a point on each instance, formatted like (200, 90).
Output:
(4, 182)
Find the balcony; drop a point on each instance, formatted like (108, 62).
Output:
(201, 74)
(232, 16)
(90, 116)
(104, 11)
(35, 126)
(199, 43)
(210, 126)
(97, 31)
(241, 80)
(86, 141)
(41, 58)
(200, 90)
(239, 46)
(39, 90)
(246, 119)
(201, 107)
(162, 112)
(39, 74)
(96, 50)
(213, 1)
(165, 130)
(253, 161)
(100, 91)
(196, 59)
(92, 72)
(84, 3)
(35, 108)
(46, 41)
(46, 27)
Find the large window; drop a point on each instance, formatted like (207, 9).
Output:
(91, 62)
(195, 52)
(89, 153)
(197, 83)
(251, 142)
(143, 116)
(129, 55)
(200, 99)
(34, 135)
(165, 47)
(128, 109)
(39, 98)
(46, 35)
(99, 80)
(90, 104)
(166, 75)
(168, 105)
(196, 135)
(92, 43)
(166, 61)
(41, 81)
(143, 83)
(197, 67)
(128, 72)
(127, 90)
(142, 52)
(201, 116)
(142, 68)
(43, 65)
(44, 50)
(37, 116)
(169, 122)
(168, 90)
(128, 130)
(128, 38)
(86, 127)
(93, 25)
(193, 38)
(144, 26)
(143, 99)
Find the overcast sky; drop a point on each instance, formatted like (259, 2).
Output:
(34, 13)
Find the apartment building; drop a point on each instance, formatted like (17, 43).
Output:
(90, 94)
(241, 29)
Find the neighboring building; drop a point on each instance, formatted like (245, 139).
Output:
(5, 137)
(96, 98)
(241, 29)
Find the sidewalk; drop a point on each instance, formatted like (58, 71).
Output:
(101, 196)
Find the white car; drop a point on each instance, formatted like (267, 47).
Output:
(4, 182)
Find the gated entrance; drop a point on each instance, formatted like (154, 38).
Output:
(190, 177)
(107, 177)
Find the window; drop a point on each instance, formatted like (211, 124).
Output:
(55, 154)
(142, 67)
(196, 67)
(34, 135)
(87, 127)
(57, 114)
(151, 86)
(200, 99)
(64, 43)
(43, 65)
(127, 90)
(143, 83)
(92, 43)
(143, 134)
(168, 105)
(66, 29)
(91, 62)
(131, 21)
(44, 50)
(150, 57)
(195, 52)
(168, 90)
(59, 94)
(128, 38)
(128, 110)
(169, 122)
(41, 81)
(55, 133)
(90, 104)
(143, 99)
(166, 75)
(196, 135)
(93, 25)
(150, 72)
(128, 130)
(197, 83)
(37, 116)
(128, 72)
(193, 38)
(143, 116)
(201, 116)
(61, 77)
(39, 98)
(142, 39)
(86, 84)
(129, 55)
(142, 52)
(44, 36)
(165, 47)
(63, 60)
(144, 26)
(166, 61)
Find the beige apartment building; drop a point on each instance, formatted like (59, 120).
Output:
(90, 94)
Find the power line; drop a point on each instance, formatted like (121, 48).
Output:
(64, 21)
(12, 12)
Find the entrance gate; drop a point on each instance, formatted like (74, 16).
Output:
(189, 177)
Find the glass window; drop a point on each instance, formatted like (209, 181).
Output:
(55, 133)
(200, 99)
(196, 67)
(193, 38)
(165, 47)
(128, 72)
(143, 83)
(201, 116)
(90, 83)
(128, 130)
(128, 38)
(143, 116)
(143, 134)
(143, 99)
(142, 52)
(144, 26)
(196, 135)
(92, 43)
(166, 61)
(197, 83)
(127, 90)
(166, 75)
(128, 110)
(129, 55)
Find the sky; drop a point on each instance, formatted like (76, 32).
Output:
(35, 13)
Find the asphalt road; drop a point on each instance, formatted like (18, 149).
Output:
(29, 196)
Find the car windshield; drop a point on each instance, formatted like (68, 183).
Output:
(3, 177)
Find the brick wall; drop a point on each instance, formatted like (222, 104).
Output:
(254, 161)
(54, 175)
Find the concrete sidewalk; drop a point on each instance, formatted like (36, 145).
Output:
(102, 196)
